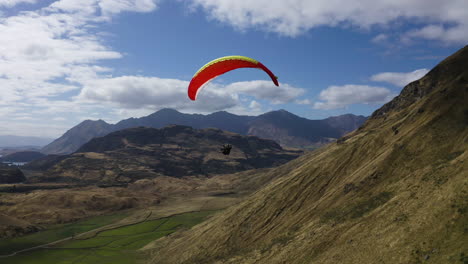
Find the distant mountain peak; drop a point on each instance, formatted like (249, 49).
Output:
(221, 113)
(89, 121)
(167, 110)
(280, 112)
(77, 136)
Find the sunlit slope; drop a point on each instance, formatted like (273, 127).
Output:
(394, 191)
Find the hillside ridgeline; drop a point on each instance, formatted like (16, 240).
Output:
(394, 191)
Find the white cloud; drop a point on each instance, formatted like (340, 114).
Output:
(429, 57)
(109, 7)
(105, 8)
(120, 113)
(380, 38)
(399, 78)
(266, 90)
(340, 96)
(38, 48)
(52, 51)
(254, 104)
(56, 50)
(24, 128)
(453, 34)
(303, 102)
(294, 17)
(243, 110)
(133, 92)
(11, 3)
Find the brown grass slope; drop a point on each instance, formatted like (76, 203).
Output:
(26, 212)
(394, 191)
(11, 226)
(47, 207)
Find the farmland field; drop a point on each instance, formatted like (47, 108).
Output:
(117, 245)
(57, 232)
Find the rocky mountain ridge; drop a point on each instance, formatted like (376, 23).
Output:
(281, 126)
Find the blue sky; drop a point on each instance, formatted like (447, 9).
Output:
(65, 61)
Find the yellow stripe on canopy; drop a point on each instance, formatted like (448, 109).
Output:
(235, 57)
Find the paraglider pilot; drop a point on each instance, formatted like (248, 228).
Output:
(226, 149)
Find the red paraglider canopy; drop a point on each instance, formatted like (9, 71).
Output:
(220, 66)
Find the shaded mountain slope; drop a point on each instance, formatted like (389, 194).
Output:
(291, 130)
(22, 156)
(136, 153)
(77, 136)
(44, 163)
(345, 123)
(394, 191)
(281, 126)
(10, 174)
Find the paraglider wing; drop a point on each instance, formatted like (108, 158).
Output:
(220, 66)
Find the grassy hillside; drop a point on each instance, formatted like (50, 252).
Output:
(394, 191)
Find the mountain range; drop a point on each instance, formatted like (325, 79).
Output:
(393, 191)
(282, 126)
(178, 151)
